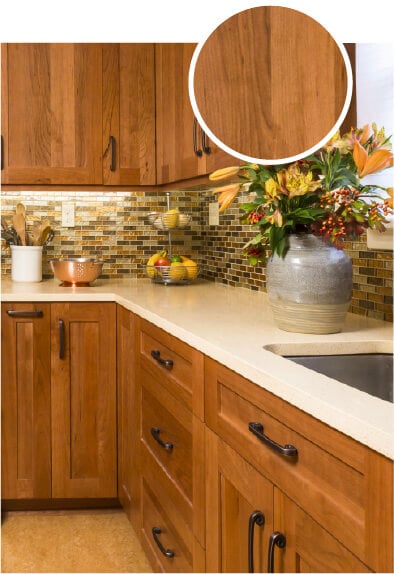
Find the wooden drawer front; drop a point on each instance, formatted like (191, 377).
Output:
(165, 418)
(184, 377)
(330, 490)
(154, 516)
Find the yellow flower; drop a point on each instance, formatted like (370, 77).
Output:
(272, 189)
(227, 194)
(275, 219)
(299, 183)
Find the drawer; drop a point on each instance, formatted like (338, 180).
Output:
(161, 540)
(166, 431)
(174, 364)
(330, 475)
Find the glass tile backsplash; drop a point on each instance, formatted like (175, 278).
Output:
(114, 227)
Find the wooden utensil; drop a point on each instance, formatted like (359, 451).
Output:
(19, 222)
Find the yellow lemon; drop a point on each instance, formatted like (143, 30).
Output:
(177, 271)
(191, 268)
(170, 218)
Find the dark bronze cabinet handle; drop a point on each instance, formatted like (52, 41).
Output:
(206, 148)
(168, 363)
(168, 553)
(276, 539)
(13, 313)
(2, 153)
(197, 151)
(166, 445)
(257, 517)
(258, 430)
(61, 339)
(112, 143)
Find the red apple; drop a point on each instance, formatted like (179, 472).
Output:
(162, 262)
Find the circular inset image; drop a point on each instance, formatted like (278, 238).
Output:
(270, 85)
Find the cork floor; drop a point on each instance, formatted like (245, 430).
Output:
(70, 541)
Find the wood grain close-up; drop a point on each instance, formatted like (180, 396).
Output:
(270, 82)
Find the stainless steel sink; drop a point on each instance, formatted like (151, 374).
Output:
(368, 372)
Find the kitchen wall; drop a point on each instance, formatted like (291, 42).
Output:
(114, 227)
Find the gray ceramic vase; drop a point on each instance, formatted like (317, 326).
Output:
(309, 289)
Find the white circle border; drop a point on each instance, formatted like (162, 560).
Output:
(284, 160)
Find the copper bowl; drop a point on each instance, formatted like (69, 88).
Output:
(77, 271)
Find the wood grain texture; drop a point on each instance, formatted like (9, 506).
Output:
(52, 113)
(339, 482)
(309, 547)
(270, 82)
(84, 457)
(185, 380)
(235, 490)
(25, 404)
(129, 114)
(128, 417)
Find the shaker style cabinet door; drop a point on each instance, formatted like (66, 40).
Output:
(83, 365)
(52, 113)
(183, 150)
(308, 547)
(25, 401)
(129, 114)
(239, 511)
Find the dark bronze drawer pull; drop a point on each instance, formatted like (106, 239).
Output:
(61, 339)
(205, 143)
(112, 143)
(257, 517)
(168, 363)
(166, 551)
(155, 433)
(198, 152)
(276, 539)
(258, 430)
(12, 313)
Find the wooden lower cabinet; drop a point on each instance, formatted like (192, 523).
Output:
(308, 546)
(253, 527)
(59, 401)
(128, 411)
(25, 400)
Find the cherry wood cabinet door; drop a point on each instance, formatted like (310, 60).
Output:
(26, 400)
(83, 365)
(182, 149)
(129, 114)
(239, 511)
(52, 113)
(308, 547)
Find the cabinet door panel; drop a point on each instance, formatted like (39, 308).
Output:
(26, 409)
(84, 400)
(129, 115)
(52, 113)
(235, 490)
(309, 548)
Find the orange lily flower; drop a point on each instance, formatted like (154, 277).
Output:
(227, 194)
(367, 164)
(224, 173)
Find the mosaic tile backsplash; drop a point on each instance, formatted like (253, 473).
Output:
(113, 226)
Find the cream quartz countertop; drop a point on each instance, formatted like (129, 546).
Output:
(235, 327)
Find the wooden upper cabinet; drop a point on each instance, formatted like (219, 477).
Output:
(183, 151)
(129, 114)
(51, 113)
(78, 114)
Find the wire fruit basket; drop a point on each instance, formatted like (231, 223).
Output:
(173, 275)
